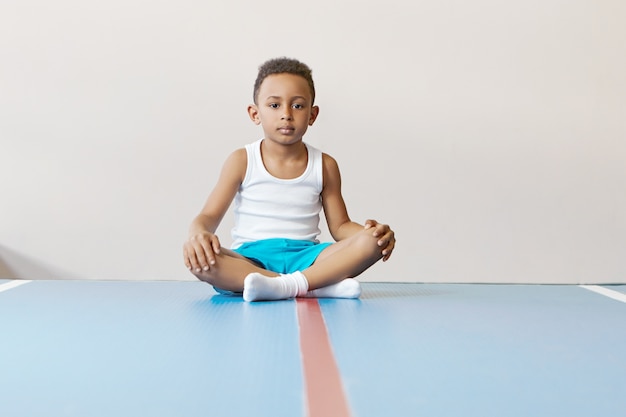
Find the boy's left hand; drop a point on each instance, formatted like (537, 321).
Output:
(387, 239)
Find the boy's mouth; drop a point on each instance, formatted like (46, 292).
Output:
(286, 129)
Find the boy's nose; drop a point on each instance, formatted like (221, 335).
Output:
(286, 115)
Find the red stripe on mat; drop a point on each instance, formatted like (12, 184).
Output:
(322, 381)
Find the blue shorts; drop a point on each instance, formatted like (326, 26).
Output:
(282, 256)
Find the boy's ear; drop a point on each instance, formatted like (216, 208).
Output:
(253, 112)
(315, 110)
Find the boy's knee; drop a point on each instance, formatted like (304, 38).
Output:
(368, 243)
(211, 276)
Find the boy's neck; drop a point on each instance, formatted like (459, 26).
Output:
(280, 150)
(284, 161)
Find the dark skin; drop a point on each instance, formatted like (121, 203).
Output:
(284, 111)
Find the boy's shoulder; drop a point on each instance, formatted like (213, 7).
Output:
(238, 159)
(327, 159)
(329, 165)
(238, 154)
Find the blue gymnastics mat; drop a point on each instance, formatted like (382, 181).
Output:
(110, 348)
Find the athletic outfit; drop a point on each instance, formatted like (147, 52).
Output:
(282, 256)
(277, 220)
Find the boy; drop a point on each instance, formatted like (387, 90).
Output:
(280, 184)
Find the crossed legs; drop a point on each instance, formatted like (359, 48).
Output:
(325, 278)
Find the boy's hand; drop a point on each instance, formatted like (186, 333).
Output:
(199, 252)
(387, 239)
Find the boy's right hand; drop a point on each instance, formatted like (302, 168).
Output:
(200, 250)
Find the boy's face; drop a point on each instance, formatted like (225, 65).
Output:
(284, 108)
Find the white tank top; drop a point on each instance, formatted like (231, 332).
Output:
(267, 207)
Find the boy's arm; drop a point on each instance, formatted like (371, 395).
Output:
(339, 223)
(202, 245)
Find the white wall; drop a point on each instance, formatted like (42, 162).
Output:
(490, 134)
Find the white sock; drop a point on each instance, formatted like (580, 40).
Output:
(348, 288)
(258, 287)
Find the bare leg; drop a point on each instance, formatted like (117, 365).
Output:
(345, 259)
(230, 270)
(327, 277)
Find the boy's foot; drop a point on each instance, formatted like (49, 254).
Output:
(258, 287)
(348, 288)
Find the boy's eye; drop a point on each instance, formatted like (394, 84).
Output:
(274, 105)
(298, 106)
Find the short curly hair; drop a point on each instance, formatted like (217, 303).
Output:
(283, 65)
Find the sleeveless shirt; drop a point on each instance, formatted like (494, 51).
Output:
(267, 207)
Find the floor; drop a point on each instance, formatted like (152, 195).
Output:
(110, 348)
